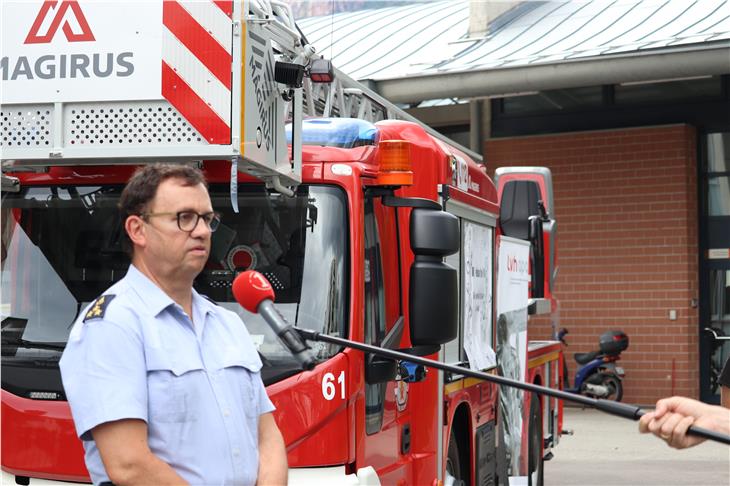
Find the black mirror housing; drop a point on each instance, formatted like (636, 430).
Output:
(434, 233)
(433, 285)
(519, 202)
(433, 302)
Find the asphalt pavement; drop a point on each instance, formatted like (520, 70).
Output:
(607, 450)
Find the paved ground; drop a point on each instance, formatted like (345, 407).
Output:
(607, 451)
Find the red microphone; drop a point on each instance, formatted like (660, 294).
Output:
(254, 293)
(250, 288)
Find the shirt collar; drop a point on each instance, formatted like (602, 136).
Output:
(154, 298)
(204, 305)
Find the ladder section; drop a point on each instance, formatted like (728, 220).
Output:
(347, 98)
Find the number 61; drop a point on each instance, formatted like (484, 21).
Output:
(328, 385)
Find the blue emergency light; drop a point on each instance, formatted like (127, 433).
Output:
(336, 132)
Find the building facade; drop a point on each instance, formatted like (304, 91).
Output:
(642, 196)
(628, 103)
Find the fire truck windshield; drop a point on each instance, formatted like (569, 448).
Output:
(63, 246)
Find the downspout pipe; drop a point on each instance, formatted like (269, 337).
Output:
(631, 67)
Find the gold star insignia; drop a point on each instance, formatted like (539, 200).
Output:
(98, 308)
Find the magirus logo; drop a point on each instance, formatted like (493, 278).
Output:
(68, 17)
(67, 10)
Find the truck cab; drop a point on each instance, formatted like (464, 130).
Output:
(337, 253)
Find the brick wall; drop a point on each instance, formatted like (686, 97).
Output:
(626, 204)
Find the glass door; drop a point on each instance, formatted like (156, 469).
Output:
(715, 263)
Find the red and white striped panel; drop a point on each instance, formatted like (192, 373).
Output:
(196, 64)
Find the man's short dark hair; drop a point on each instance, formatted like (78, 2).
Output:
(142, 187)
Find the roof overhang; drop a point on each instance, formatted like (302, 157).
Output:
(706, 59)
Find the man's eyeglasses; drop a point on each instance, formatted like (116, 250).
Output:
(188, 220)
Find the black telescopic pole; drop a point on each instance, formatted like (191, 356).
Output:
(615, 408)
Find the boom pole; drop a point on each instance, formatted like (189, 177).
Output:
(624, 410)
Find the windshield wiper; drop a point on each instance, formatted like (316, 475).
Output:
(13, 328)
(22, 343)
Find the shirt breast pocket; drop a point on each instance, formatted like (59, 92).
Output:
(244, 381)
(173, 388)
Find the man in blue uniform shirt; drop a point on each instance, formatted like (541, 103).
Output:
(164, 386)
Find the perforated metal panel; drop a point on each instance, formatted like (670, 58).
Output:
(127, 124)
(26, 126)
(113, 124)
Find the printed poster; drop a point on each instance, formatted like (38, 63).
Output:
(512, 286)
(477, 298)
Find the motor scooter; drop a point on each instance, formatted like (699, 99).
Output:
(598, 376)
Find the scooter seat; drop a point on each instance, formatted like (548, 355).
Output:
(583, 358)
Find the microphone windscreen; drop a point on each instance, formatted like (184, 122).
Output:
(250, 288)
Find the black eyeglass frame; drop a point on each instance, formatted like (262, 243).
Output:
(212, 224)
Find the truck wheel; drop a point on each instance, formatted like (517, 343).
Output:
(453, 465)
(535, 460)
(614, 385)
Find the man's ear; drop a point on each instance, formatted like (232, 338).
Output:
(135, 228)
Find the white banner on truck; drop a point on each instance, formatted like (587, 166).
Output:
(513, 278)
(477, 298)
(76, 51)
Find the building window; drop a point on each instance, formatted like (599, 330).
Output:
(718, 174)
(718, 152)
(720, 295)
(715, 283)
(718, 196)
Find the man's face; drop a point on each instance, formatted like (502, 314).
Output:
(169, 250)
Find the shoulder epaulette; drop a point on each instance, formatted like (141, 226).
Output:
(98, 308)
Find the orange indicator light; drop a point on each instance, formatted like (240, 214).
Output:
(395, 163)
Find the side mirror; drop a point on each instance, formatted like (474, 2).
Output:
(434, 233)
(433, 286)
(525, 192)
(379, 370)
(521, 215)
(519, 201)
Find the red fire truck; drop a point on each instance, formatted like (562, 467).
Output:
(326, 210)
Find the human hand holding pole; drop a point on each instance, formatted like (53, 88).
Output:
(673, 417)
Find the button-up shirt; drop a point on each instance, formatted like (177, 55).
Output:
(197, 383)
